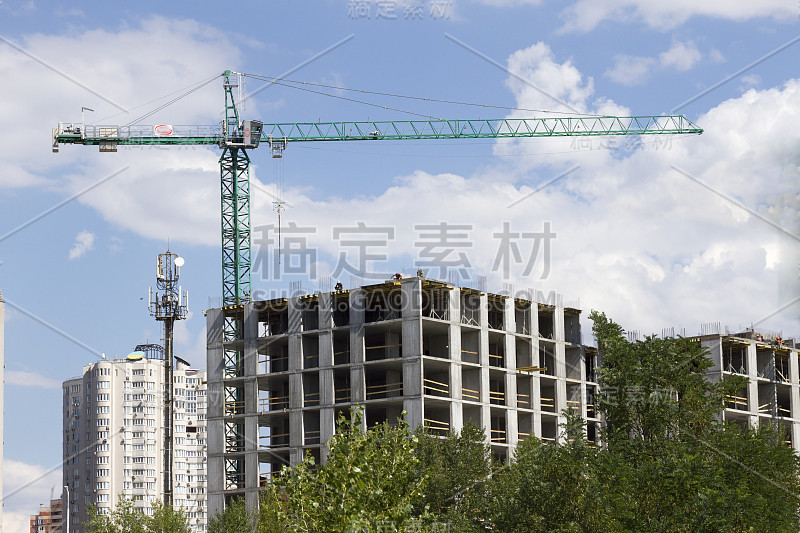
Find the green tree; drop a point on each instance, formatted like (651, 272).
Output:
(457, 469)
(235, 517)
(552, 487)
(370, 481)
(125, 518)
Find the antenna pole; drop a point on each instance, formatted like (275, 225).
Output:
(167, 306)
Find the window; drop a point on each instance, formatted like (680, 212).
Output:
(101, 485)
(102, 460)
(102, 498)
(103, 384)
(100, 435)
(102, 397)
(102, 472)
(103, 422)
(138, 372)
(101, 447)
(102, 409)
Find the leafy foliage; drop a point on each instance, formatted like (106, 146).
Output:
(235, 517)
(370, 479)
(125, 518)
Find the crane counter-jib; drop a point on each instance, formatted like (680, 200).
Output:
(378, 130)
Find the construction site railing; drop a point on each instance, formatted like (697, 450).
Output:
(470, 394)
(435, 388)
(273, 403)
(281, 438)
(384, 390)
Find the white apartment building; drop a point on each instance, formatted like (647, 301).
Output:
(114, 437)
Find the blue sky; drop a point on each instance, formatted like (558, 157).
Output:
(713, 241)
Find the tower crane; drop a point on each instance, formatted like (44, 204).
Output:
(237, 136)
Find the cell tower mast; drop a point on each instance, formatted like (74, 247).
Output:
(168, 304)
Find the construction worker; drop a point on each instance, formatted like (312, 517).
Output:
(339, 287)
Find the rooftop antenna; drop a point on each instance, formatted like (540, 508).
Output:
(168, 304)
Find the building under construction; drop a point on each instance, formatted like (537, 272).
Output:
(445, 355)
(771, 394)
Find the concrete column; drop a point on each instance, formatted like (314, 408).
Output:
(512, 429)
(454, 306)
(327, 428)
(456, 416)
(326, 349)
(411, 297)
(752, 384)
(295, 319)
(326, 392)
(454, 347)
(216, 401)
(325, 310)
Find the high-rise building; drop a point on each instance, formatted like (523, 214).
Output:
(114, 437)
(444, 354)
(49, 518)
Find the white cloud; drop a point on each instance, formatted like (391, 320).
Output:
(716, 56)
(585, 15)
(30, 379)
(25, 486)
(751, 80)
(681, 56)
(84, 242)
(631, 70)
(634, 70)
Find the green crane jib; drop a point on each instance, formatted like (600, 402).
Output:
(235, 137)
